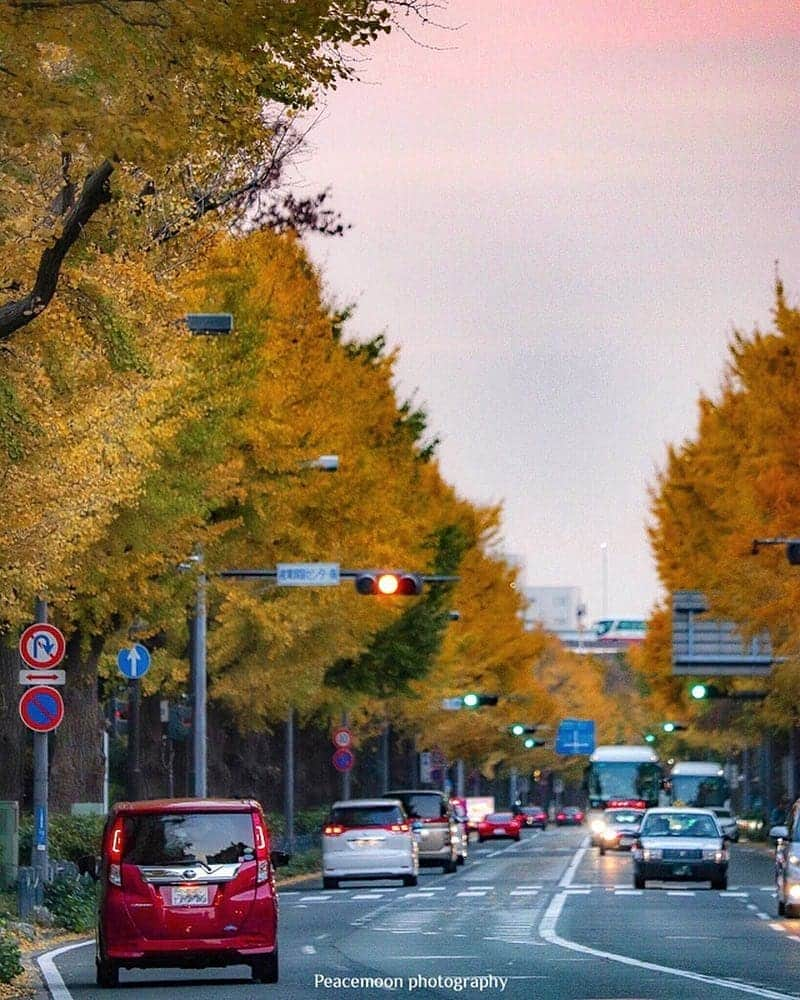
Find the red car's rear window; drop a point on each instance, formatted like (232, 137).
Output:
(187, 838)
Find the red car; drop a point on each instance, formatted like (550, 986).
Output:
(187, 884)
(497, 825)
(569, 816)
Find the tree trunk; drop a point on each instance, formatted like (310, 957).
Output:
(76, 762)
(13, 734)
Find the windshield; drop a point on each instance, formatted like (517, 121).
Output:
(623, 817)
(699, 790)
(499, 818)
(188, 838)
(351, 816)
(420, 806)
(624, 780)
(679, 825)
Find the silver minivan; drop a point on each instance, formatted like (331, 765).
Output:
(430, 812)
(368, 839)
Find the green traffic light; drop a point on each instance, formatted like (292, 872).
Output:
(649, 738)
(699, 691)
(518, 729)
(530, 743)
(669, 727)
(471, 700)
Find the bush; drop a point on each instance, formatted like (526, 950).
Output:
(10, 964)
(69, 838)
(73, 902)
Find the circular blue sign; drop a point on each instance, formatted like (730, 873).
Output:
(133, 661)
(343, 759)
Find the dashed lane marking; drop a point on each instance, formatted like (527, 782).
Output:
(524, 892)
(470, 892)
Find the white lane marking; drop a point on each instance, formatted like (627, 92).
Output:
(309, 949)
(572, 867)
(535, 885)
(547, 929)
(426, 894)
(435, 888)
(56, 985)
(321, 937)
(763, 916)
(368, 895)
(628, 892)
(524, 892)
(767, 888)
(778, 927)
(472, 892)
(735, 895)
(679, 892)
(752, 906)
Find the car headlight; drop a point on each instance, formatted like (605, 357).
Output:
(598, 826)
(715, 854)
(794, 891)
(609, 835)
(652, 854)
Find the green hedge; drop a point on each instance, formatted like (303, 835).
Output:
(69, 838)
(10, 964)
(73, 902)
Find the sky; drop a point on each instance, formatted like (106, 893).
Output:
(560, 211)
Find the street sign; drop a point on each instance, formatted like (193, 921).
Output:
(425, 767)
(575, 736)
(713, 646)
(49, 677)
(41, 709)
(133, 661)
(343, 759)
(342, 737)
(42, 646)
(307, 575)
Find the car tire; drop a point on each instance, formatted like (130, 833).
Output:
(602, 850)
(330, 883)
(790, 912)
(449, 866)
(480, 840)
(461, 859)
(107, 974)
(265, 970)
(411, 880)
(781, 908)
(639, 882)
(720, 883)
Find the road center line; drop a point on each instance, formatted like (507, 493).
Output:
(547, 930)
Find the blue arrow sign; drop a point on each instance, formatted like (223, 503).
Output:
(133, 661)
(575, 736)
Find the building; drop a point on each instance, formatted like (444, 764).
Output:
(555, 609)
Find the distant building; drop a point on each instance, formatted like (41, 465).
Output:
(555, 609)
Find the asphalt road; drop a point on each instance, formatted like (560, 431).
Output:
(546, 918)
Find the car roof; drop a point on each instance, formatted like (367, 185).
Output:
(413, 791)
(186, 805)
(365, 803)
(671, 810)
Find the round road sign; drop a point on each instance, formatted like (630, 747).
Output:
(41, 709)
(42, 646)
(343, 759)
(342, 737)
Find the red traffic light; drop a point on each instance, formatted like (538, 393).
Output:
(389, 583)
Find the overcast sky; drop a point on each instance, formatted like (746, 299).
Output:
(560, 212)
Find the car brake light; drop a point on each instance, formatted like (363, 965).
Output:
(333, 830)
(115, 853)
(262, 850)
(399, 828)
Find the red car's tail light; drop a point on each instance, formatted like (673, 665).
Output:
(115, 852)
(332, 829)
(262, 849)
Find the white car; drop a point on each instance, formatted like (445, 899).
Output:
(728, 822)
(368, 839)
(684, 845)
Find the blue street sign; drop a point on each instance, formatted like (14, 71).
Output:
(575, 736)
(41, 828)
(134, 661)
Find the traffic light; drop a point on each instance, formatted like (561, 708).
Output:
(519, 729)
(118, 715)
(473, 700)
(530, 743)
(702, 691)
(179, 726)
(673, 727)
(649, 737)
(388, 583)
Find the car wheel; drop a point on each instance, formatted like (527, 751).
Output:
(720, 883)
(265, 970)
(638, 882)
(107, 974)
(602, 849)
(461, 859)
(330, 883)
(449, 866)
(790, 911)
(411, 880)
(480, 840)
(781, 908)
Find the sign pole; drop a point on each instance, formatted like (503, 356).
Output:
(346, 783)
(39, 860)
(199, 682)
(288, 773)
(134, 743)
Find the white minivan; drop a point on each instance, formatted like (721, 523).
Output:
(368, 839)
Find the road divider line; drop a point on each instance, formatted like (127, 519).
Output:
(547, 930)
(569, 874)
(52, 977)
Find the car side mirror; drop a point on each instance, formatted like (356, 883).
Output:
(279, 858)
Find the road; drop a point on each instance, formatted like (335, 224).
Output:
(546, 918)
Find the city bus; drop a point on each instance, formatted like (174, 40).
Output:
(622, 775)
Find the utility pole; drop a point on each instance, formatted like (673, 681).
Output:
(199, 681)
(346, 782)
(41, 791)
(288, 781)
(134, 790)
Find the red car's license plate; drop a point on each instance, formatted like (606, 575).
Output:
(190, 895)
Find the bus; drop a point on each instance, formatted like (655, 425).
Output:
(700, 783)
(623, 775)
